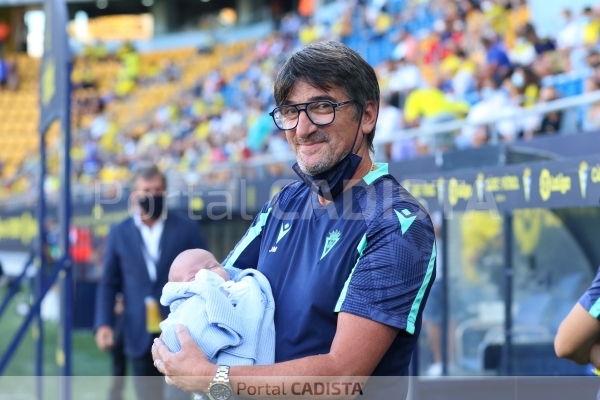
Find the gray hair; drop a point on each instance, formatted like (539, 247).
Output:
(326, 65)
(147, 171)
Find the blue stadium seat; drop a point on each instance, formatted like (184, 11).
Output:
(567, 84)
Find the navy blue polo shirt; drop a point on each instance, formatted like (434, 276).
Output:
(371, 252)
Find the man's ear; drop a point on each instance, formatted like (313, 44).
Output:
(369, 118)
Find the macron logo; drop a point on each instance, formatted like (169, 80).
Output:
(406, 219)
(285, 228)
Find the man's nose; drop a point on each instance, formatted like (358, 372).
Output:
(305, 126)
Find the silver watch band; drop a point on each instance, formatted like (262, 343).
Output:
(222, 375)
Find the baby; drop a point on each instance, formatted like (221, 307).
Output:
(231, 320)
(187, 264)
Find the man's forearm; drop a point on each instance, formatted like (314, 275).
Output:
(357, 349)
(321, 365)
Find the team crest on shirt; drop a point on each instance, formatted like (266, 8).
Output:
(330, 241)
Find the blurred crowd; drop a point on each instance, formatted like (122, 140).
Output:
(439, 61)
(483, 61)
(8, 66)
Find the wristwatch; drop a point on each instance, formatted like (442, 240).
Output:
(220, 389)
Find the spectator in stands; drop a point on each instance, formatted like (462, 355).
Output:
(388, 129)
(463, 81)
(342, 28)
(593, 59)
(406, 47)
(545, 65)
(523, 52)
(494, 103)
(571, 35)
(591, 119)
(591, 27)
(541, 46)
(439, 45)
(551, 122)
(429, 106)
(404, 78)
(380, 23)
(4, 34)
(290, 26)
(310, 33)
(498, 66)
(496, 16)
(12, 78)
(3, 72)
(523, 88)
(474, 20)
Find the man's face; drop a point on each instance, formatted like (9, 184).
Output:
(153, 186)
(318, 148)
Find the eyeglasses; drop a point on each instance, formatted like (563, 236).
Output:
(321, 112)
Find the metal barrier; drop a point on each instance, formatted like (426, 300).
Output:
(13, 286)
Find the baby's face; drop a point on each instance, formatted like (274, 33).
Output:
(188, 263)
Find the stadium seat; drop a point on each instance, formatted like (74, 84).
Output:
(567, 84)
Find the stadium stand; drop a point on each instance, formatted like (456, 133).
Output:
(437, 61)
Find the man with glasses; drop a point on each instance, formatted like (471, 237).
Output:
(349, 253)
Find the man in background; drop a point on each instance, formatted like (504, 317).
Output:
(139, 252)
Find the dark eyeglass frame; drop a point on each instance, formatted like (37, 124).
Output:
(334, 105)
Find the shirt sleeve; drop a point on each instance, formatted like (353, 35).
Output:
(591, 298)
(394, 271)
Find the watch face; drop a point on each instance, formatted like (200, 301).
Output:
(220, 391)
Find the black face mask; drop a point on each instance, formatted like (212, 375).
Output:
(152, 205)
(331, 183)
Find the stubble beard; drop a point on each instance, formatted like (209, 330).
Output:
(325, 163)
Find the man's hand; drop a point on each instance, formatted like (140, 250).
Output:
(104, 337)
(188, 369)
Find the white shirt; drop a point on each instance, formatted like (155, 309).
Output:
(388, 124)
(571, 35)
(151, 237)
(405, 78)
(463, 82)
(498, 104)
